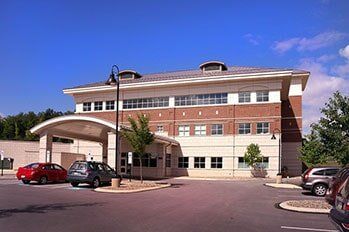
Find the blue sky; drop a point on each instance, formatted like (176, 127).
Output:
(46, 46)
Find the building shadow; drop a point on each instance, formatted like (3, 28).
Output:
(44, 208)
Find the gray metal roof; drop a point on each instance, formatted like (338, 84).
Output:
(184, 74)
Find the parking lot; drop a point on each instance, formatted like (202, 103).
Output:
(189, 205)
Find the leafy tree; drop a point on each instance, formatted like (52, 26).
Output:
(139, 137)
(329, 139)
(312, 151)
(16, 127)
(333, 128)
(253, 155)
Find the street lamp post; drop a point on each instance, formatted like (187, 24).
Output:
(113, 80)
(273, 137)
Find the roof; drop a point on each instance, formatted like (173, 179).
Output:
(195, 73)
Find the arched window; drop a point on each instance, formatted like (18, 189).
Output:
(212, 66)
(129, 74)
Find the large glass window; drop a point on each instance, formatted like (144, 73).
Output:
(262, 96)
(217, 129)
(147, 160)
(262, 127)
(264, 164)
(145, 103)
(199, 162)
(183, 162)
(86, 106)
(244, 97)
(183, 130)
(200, 129)
(244, 128)
(216, 162)
(201, 99)
(168, 160)
(98, 106)
(109, 105)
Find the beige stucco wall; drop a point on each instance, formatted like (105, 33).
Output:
(25, 152)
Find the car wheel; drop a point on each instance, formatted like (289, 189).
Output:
(43, 180)
(74, 184)
(319, 189)
(26, 181)
(96, 183)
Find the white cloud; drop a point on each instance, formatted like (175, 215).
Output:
(343, 70)
(344, 52)
(2, 115)
(308, 44)
(325, 58)
(320, 87)
(253, 39)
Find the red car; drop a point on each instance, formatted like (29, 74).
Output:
(42, 173)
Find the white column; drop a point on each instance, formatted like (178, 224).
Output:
(111, 149)
(45, 147)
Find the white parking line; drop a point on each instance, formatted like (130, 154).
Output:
(307, 229)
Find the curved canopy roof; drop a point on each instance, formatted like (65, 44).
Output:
(84, 128)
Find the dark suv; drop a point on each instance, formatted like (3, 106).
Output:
(339, 214)
(317, 179)
(93, 173)
(335, 183)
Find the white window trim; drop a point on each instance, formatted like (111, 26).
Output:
(263, 133)
(222, 129)
(244, 123)
(201, 130)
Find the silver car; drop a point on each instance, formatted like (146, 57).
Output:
(318, 179)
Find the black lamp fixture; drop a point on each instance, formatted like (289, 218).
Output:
(273, 137)
(114, 80)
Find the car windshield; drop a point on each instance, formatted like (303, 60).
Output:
(32, 166)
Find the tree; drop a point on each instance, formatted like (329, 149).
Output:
(329, 139)
(139, 137)
(253, 155)
(312, 151)
(16, 127)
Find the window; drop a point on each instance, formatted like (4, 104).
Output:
(57, 167)
(217, 129)
(145, 103)
(244, 128)
(160, 128)
(201, 99)
(183, 130)
(168, 160)
(126, 76)
(262, 128)
(244, 97)
(200, 129)
(242, 163)
(262, 96)
(86, 106)
(319, 173)
(109, 105)
(263, 164)
(331, 172)
(98, 106)
(199, 162)
(183, 162)
(147, 161)
(216, 162)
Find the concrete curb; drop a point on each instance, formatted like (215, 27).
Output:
(108, 190)
(284, 205)
(219, 179)
(283, 186)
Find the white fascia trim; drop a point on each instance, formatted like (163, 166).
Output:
(62, 119)
(182, 81)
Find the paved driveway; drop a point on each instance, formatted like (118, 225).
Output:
(190, 205)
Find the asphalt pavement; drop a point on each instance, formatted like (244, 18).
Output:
(189, 205)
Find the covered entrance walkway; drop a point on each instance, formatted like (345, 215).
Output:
(78, 127)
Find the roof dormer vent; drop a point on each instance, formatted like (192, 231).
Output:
(213, 66)
(129, 74)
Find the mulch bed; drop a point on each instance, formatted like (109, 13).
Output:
(314, 204)
(135, 185)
